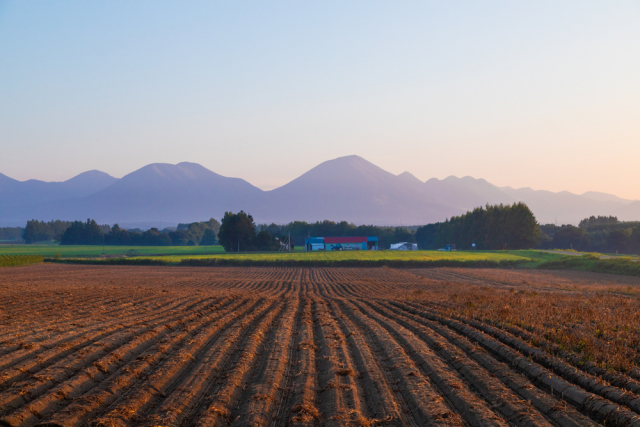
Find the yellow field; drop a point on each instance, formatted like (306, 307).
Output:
(367, 256)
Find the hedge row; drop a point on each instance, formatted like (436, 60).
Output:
(16, 260)
(223, 262)
(620, 266)
(109, 261)
(231, 262)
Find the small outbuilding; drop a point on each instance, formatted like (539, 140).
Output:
(404, 246)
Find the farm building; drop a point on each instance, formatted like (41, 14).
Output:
(404, 246)
(341, 244)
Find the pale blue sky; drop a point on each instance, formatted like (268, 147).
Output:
(538, 94)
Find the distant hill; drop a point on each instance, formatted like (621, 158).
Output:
(353, 189)
(563, 207)
(347, 188)
(464, 193)
(34, 192)
(155, 194)
(630, 212)
(604, 197)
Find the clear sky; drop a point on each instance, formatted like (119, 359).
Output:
(543, 94)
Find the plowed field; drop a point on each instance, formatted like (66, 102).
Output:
(156, 346)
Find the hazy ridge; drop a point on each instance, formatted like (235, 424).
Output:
(347, 188)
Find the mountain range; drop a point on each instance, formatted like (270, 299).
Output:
(347, 188)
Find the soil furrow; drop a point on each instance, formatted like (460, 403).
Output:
(591, 383)
(342, 374)
(381, 405)
(128, 376)
(180, 404)
(225, 394)
(596, 406)
(300, 407)
(48, 375)
(267, 388)
(23, 365)
(457, 389)
(331, 390)
(60, 395)
(412, 385)
(155, 388)
(552, 407)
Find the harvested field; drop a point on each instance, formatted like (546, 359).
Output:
(167, 346)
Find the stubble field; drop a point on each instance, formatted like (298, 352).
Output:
(168, 346)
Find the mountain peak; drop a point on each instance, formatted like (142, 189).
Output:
(348, 171)
(168, 172)
(92, 178)
(352, 161)
(162, 179)
(409, 178)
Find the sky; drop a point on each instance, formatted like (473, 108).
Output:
(541, 94)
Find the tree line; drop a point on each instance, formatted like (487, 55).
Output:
(11, 233)
(91, 233)
(489, 228)
(515, 227)
(593, 234)
(39, 231)
(193, 234)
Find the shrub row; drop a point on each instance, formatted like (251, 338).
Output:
(16, 260)
(109, 261)
(620, 266)
(213, 262)
(243, 262)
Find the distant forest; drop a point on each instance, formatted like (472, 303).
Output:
(90, 233)
(594, 234)
(11, 233)
(197, 233)
(490, 227)
(604, 234)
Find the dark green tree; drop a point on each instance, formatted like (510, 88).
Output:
(599, 220)
(11, 233)
(570, 237)
(618, 240)
(402, 234)
(153, 237)
(208, 238)
(634, 240)
(192, 233)
(425, 236)
(492, 227)
(38, 231)
(80, 233)
(237, 232)
(264, 241)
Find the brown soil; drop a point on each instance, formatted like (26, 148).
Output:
(167, 346)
